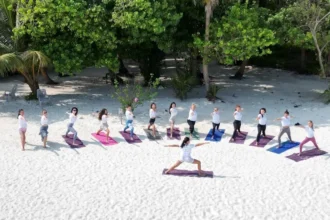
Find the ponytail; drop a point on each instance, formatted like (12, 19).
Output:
(169, 109)
(19, 112)
(185, 141)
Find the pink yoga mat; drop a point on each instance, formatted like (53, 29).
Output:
(176, 133)
(102, 138)
(187, 173)
(240, 138)
(263, 141)
(69, 141)
(305, 155)
(126, 136)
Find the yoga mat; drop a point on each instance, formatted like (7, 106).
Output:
(217, 135)
(127, 137)
(240, 138)
(102, 138)
(305, 155)
(176, 133)
(151, 137)
(188, 173)
(263, 141)
(195, 135)
(287, 145)
(69, 141)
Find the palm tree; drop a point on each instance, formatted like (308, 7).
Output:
(29, 64)
(9, 19)
(209, 7)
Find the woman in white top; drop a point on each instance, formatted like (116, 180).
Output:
(173, 112)
(72, 120)
(215, 120)
(103, 117)
(262, 121)
(310, 136)
(152, 115)
(237, 123)
(129, 121)
(285, 122)
(192, 118)
(186, 155)
(22, 126)
(44, 127)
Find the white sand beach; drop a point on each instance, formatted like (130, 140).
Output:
(125, 181)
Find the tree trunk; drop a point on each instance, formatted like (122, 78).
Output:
(319, 54)
(302, 60)
(208, 11)
(49, 81)
(122, 69)
(240, 72)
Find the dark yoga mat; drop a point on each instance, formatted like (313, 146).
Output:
(217, 135)
(240, 138)
(195, 135)
(69, 141)
(176, 133)
(305, 155)
(287, 145)
(188, 173)
(127, 137)
(263, 141)
(150, 136)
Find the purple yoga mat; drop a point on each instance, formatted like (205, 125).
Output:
(188, 173)
(240, 138)
(176, 133)
(127, 137)
(102, 138)
(305, 155)
(69, 141)
(263, 141)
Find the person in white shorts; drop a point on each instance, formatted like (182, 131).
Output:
(186, 148)
(173, 112)
(22, 126)
(103, 117)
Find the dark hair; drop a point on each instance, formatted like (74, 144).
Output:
(286, 112)
(129, 105)
(169, 109)
(102, 112)
(19, 112)
(75, 108)
(184, 142)
(153, 104)
(260, 111)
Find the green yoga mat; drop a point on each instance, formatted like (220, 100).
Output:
(195, 135)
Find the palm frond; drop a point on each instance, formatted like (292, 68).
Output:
(37, 59)
(10, 62)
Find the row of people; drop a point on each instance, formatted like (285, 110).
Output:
(192, 118)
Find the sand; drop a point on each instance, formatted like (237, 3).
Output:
(125, 181)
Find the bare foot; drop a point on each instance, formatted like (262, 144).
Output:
(132, 139)
(232, 140)
(166, 172)
(201, 174)
(299, 154)
(257, 143)
(74, 144)
(23, 149)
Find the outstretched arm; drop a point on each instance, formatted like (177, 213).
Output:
(200, 144)
(172, 145)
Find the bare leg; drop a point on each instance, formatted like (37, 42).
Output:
(154, 130)
(199, 167)
(172, 145)
(173, 167)
(108, 132)
(22, 134)
(149, 126)
(172, 125)
(98, 132)
(45, 141)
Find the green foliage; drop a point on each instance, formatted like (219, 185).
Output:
(211, 94)
(183, 82)
(241, 34)
(73, 34)
(127, 93)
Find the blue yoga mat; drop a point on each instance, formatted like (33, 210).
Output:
(284, 147)
(217, 135)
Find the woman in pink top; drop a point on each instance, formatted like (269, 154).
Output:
(310, 136)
